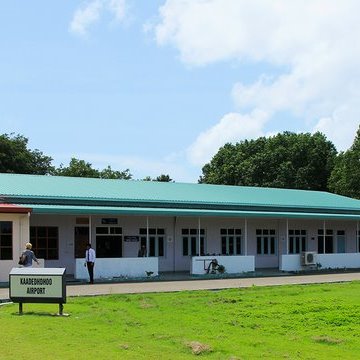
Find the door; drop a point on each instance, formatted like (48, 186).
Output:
(81, 238)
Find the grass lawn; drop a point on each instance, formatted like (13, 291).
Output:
(285, 322)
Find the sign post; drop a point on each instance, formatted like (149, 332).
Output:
(38, 285)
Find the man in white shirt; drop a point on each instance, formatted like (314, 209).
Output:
(90, 261)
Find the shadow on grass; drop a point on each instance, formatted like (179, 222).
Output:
(40, 314)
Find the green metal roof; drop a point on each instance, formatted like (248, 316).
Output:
(109, 210)
(71, 191)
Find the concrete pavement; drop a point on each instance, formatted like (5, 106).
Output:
(215, 284)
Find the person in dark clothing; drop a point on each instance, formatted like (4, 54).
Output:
(142, 251)
(90, 261)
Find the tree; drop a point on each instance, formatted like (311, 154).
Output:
(160, 178)
(287, 160)
(163, 178)
(345, 177)
(81, 168)
(77, 168)
(108, 173)
(15, 157)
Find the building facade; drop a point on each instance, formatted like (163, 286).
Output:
(182, 227)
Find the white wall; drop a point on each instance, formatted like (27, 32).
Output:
(327, 261)
(212, 228)
(119, 267)
(339, 261)
(290, 263)
(173, 259)
(66, 226)
(233, 264)
(20, 238)
(132, 224)
(312, 227)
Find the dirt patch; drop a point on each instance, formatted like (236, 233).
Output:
(327, 340)
(198, 348)
(144, 304)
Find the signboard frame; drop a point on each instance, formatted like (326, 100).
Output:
(38, 280)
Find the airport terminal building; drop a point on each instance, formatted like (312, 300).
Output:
(182, 226)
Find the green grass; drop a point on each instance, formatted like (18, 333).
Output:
(286, 322)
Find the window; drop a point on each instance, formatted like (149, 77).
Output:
(190, 241)
(340, 241)
(45, 241)
(6, 240)
(108, 241)
(297, 241)
(230, 241)
(325, 243)
(266, 241)
(156, 241)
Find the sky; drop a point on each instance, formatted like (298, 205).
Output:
(158, 87)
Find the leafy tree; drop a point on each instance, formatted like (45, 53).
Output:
(77, 168)
(81, 168)
(15, 157)
(287, 160)
(161, 178)
(345, 177)
(108, 173)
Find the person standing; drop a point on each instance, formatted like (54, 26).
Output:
(90, 261)
(142, 251)
(28, 256)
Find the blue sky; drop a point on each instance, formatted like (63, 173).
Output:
(158, 86)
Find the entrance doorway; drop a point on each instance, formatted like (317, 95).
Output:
(81, 238)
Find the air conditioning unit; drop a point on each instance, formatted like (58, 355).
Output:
(308, 258)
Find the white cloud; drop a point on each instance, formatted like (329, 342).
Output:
(341, 126)
(86, 16)
(232, 127)
(117, 8)
(312, 45)
(90, 13)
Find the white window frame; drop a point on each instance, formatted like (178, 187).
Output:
(294, 238)
(266, 238)
(156, 237)
(340, 237)
(329, 235)
(225, 234)
(193, 236)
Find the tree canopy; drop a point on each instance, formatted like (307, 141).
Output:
(160, 178)
(77, 168)
(287, 160)
(109, 173)
(16, 157)
(81, 168)
(345, 178)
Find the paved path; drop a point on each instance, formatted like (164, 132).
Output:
(171, 286)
